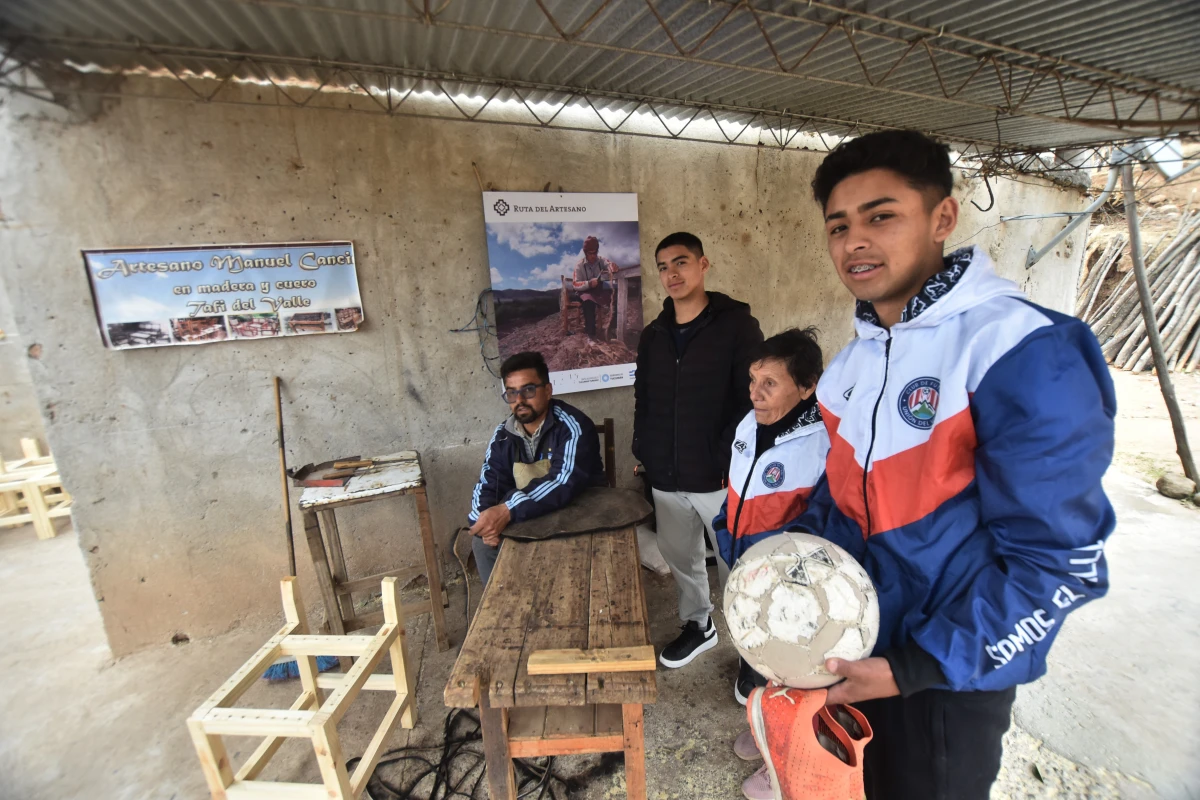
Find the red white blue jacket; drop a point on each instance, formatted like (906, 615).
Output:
(967, 446)
(769, 489)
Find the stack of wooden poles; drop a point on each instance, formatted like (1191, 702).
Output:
(1117, 321)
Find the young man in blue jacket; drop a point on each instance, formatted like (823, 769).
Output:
(538, 460)
(969, 431)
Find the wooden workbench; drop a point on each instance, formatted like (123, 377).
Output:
(574, 592)
(398, 474)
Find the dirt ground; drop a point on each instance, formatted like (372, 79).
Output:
(74, 723)
(575, 350)
(1145, 443)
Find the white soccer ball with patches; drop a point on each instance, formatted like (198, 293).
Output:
(794, 600)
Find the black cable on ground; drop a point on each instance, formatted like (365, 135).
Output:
(458, 771)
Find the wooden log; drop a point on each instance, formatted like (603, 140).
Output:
(622, 305)
(1160, 364)
(1185, 356)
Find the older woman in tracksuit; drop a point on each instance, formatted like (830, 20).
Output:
(778, 456)
(778, 453)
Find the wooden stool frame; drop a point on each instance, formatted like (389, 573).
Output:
(31, 491)
(310, 717)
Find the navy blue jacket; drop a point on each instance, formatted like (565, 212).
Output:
(573, 447)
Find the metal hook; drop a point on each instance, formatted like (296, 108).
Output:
(991, 197)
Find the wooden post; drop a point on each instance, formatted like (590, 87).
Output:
(337, 560)
(433, 570)
(622, 304)
(43, 526)
(1156, 347)
(502, 783)
(8, 500)
(564, 303)
(316, 548)
(283, 477)
(635, 751)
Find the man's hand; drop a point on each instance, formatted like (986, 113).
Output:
(491, 523)
(864, 680)
(593, 283)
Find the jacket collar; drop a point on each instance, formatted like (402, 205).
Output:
(966, 280)
(513, 425)
(809, 420)
(953, 268)
(717, 303)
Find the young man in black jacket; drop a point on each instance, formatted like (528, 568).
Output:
(691, 390)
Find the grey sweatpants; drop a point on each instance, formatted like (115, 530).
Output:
(682, 518)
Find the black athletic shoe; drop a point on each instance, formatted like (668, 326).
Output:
(691, 643)
(747, 681)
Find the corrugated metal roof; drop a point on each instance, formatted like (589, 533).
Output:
(1019, 74)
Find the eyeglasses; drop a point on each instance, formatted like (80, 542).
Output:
(526, 392)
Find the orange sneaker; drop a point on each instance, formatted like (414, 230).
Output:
(857, 734)
(805, 757)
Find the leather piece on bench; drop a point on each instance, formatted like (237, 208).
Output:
(597, 509)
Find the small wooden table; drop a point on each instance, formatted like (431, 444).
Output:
(401, 475)
(574, 592)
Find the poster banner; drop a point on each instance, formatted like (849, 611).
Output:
(148, 297)
(567, 282)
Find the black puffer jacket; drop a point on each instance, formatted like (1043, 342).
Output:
(687, 408)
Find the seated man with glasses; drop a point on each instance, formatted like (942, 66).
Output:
(539, 459)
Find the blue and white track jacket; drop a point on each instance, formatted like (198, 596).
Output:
(573, 447)
(967, 446)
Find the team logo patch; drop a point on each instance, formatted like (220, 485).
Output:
(919, 401)
(772, 476)
(740, 446)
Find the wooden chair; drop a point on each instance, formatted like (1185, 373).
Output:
(618, 306)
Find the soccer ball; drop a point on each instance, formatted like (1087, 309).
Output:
(794, 600)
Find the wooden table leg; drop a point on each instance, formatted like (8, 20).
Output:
(337, 560)
(502, 782)
(635, 751)
(43, 526)
(316, 549)
(433, 573)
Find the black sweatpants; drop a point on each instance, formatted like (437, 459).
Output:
(935, 745)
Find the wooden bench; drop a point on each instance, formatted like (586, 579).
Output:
(574, 592)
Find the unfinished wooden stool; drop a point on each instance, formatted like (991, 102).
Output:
(309, 717)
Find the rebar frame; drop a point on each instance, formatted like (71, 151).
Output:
(36, 66)
(1020, 75)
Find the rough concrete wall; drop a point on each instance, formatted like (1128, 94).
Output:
(19, 414)
(170, 452)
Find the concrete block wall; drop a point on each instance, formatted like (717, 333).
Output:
(170, 452)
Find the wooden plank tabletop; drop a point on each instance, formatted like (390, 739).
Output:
(401, 475)
(572, 592)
